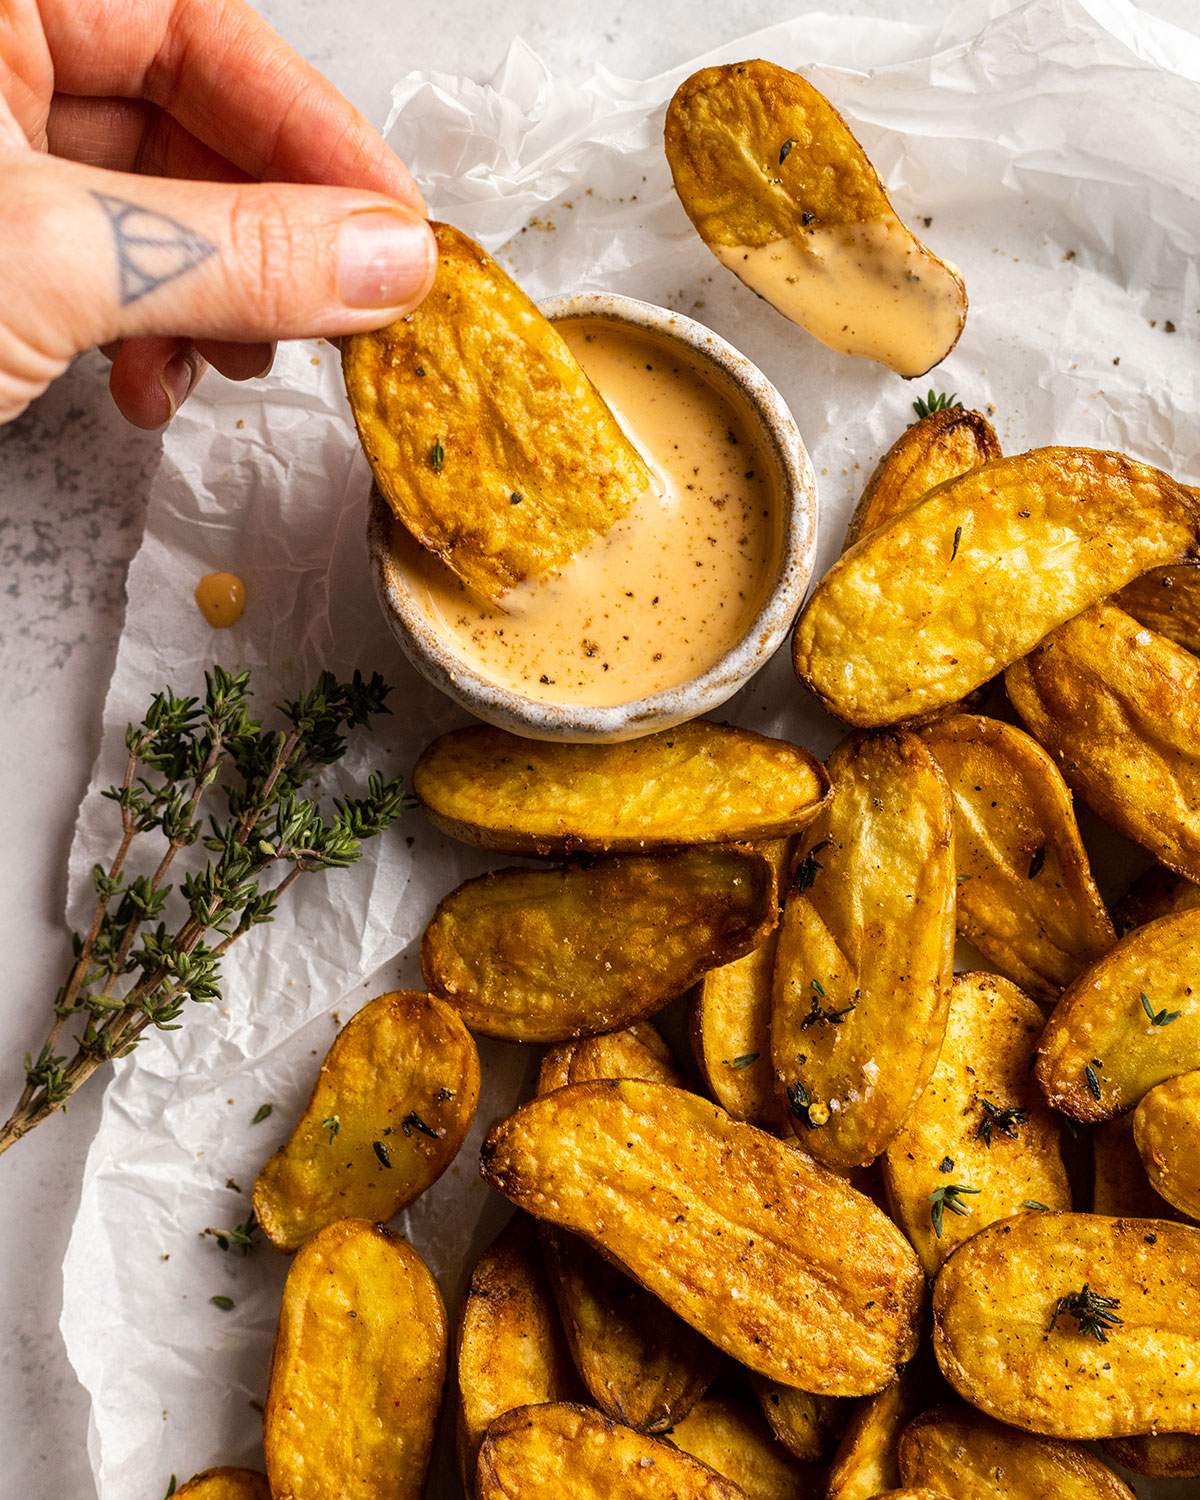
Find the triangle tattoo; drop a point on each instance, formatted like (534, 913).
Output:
(152, 248)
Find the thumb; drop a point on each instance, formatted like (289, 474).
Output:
(88, 256)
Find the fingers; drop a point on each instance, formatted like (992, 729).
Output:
(230, 81)
(151, 378)
(238, 361)
(129, 135)
(89, 256)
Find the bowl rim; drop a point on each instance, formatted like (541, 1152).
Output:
(536, 718)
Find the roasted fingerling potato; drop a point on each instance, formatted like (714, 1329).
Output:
(1166, 1131)
(551, 955)
(1162, 1455)
(1075, 1326)
(808, 1426)
(1026, 897)
(699, 783)
(358, 1369)
(1120, 1187)
(764, 1252)
(473, 398)
(728, 1433)
(935, 602)
(866, 1461)
(867, 938)
(1157, 892)
(393, 1101)
(225, 1484)
(1166, 600)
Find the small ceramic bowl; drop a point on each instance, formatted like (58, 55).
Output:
(795, 487)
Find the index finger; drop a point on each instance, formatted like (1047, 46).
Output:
(221, 71)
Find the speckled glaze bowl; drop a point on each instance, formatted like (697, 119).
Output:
(797, 491)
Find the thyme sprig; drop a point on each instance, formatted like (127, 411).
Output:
(1162, 1017)
(998, 1121)
(151, 946)
(932, 401)
(1093, 1314)
(948, 1197)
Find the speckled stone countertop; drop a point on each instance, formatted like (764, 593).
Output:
(73, 485)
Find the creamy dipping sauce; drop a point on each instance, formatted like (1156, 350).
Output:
(867, 289)
(671, 588)
(222, 599)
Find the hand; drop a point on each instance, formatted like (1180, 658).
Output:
(151, 153)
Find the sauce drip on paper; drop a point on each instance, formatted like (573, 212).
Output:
(671, 588)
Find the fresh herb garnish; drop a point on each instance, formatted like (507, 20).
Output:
(1093, 1082)
(1003, 1121)
(743, 1060)
(1041, 1208)
(226, 1304)
(786, 149)
(515, 498)
(382, 1152)
(957, 539)
(332, 1125)
(1036, 863)
(413, 1121)
(1093, 1313)
(948, 1197)
(263, 1112)
(818, 1013)
(170, 1488)
(925, 406)
(806, 871)
(804, 1107)
(1158, 1017)
(437, 456)
(241, 1235)
(138, 964)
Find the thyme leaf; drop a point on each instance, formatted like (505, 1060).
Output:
(808, 868)
(743, 1060)
(263, 1112)
(413, 1121)
(1036, 863)
(786, 149)
(1091, 1078)
(1158, 1017)
(948, 1197)
(382, 1152)
(437, 456)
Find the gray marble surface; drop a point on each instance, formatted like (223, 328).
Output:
(73, 484)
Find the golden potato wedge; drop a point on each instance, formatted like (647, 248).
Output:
(730, 1025)
(225, 1484)
(981, 1143)
(972, 577)
(1130, 1021)
(549, 955)
(867, 1458)
(1166, 600)
(784, 196)
(730, 1436)
(1075, 1326)
(1118, 708)
(1166, 1131)
(1164, 1455)
(959, 1451)
(474, 398)
(1157, 892)
(863, 967)
(393, 1101)
(808, 1426)
(910, 1494)
(511, 1350)
(768, 1255)
(1120, 1187)
(935, 448)
(699, 783)
(1026, 897)
(562, 1449)
(357, 1374)
(642, 1365)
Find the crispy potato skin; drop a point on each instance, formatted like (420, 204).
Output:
(990, 1040)
(1120, 1187)
(731, 1437)
(353, 1400)
(511, 1350)
(562, 1449)
(477, 371)
(642, 1365)
(1101, 1024)
(550, 955)
(911, 1494)
(1026, 897)
(936, 448)
(958, 1451)
(404, 1053)
(1157, 892)
(866, 1461)
(730, 1025)
(1166, 1130)
(910, 620)
(806, 1425)
(995, 1298)
(767, 1254)
(1165, 1455)
(1118, 708)
(873, 931)
(225, 1484)
(1166, 600)
(700, 783)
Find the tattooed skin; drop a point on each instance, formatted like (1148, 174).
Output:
(151, 247)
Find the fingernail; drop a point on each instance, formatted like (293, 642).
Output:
(384, 259)
(178, 378)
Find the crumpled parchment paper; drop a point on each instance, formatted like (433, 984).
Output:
(1050, 149)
